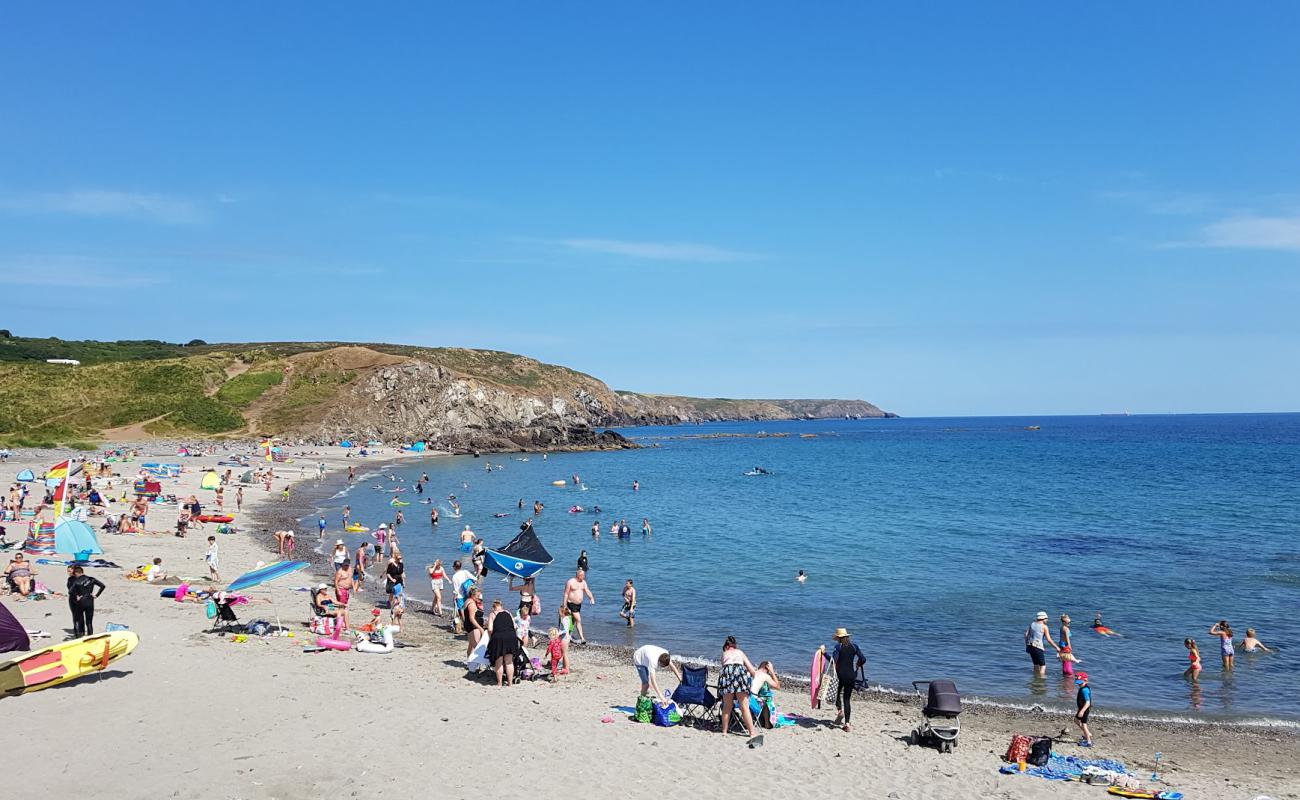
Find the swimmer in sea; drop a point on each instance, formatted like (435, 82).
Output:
(801, 577)
(1099, 628)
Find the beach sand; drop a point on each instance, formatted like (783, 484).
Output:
(191, 714)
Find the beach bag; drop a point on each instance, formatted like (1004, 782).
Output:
(1018, 750)
(1039, 752)
(666, 716)
(644, 709)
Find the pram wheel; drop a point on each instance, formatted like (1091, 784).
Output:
(913, 738)
(945, 747)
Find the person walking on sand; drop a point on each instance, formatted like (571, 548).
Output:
(437, 580)
(1083, 701)
(82, 591)
(239, 498)
(340, 553)
(574, 590)
(1035, 635)
(320, 528)
(1222, 630)
(647, 659)
(846, 659)
(212, 560)
(629, 603)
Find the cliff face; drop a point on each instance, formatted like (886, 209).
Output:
(420, 399)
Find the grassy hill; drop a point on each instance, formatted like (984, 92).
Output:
(127, 389)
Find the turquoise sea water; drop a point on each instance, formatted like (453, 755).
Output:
(933, 540)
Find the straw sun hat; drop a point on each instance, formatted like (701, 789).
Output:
(840, 633)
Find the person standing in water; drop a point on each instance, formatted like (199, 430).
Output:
(636, 486)
(1250, 644)
(595, 529)
(582, 561)
(1222, 630)
(575, 589)
(1035, 635)
(1067, 656)
(629, 603)
(645, 527)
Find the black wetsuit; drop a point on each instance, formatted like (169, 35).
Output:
(82, 591)
(848, 657)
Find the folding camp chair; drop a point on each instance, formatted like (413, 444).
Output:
(697, 705)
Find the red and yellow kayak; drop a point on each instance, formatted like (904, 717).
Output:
(64, 662)
(215, 518)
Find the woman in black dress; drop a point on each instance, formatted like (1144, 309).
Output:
(503, 643)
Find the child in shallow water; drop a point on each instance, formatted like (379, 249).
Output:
(1194, 656)
(1250, 644)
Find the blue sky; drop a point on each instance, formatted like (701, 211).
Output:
(941, 208)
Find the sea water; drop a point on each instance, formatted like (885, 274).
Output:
(934, 541)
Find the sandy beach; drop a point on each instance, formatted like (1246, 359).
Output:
(195, 714)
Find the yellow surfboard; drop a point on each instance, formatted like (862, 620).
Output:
(64, 662)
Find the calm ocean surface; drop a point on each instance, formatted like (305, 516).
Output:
(933, 540)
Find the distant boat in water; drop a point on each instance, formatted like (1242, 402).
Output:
(1033, 428)
(1117, 414)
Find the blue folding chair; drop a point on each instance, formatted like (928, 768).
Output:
(697, 705)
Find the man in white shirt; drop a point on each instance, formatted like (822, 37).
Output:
(647, 659)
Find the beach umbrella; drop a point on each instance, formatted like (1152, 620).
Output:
(267, 573)
(76, 538)
(13, 636)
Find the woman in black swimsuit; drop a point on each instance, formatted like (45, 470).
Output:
(473, 620)
(582, 562)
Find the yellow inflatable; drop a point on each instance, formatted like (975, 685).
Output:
(355, 528)
(64, 662)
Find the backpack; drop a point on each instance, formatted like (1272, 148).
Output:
(1039, 752)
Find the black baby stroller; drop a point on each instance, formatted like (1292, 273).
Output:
(939, 716)
(225, 620)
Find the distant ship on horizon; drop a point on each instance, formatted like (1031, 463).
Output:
(1116, 414)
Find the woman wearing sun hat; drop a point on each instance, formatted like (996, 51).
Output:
(846, 659)
(1035, 635)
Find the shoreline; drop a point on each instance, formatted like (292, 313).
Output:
(288, 707)
(308, 503)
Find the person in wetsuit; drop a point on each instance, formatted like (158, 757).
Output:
(846, 660)
(82, 591)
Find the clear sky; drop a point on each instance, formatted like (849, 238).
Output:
(943, 208)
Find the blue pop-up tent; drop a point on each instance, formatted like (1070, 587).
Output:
(26, 475)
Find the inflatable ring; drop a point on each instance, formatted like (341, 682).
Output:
(333, 644)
